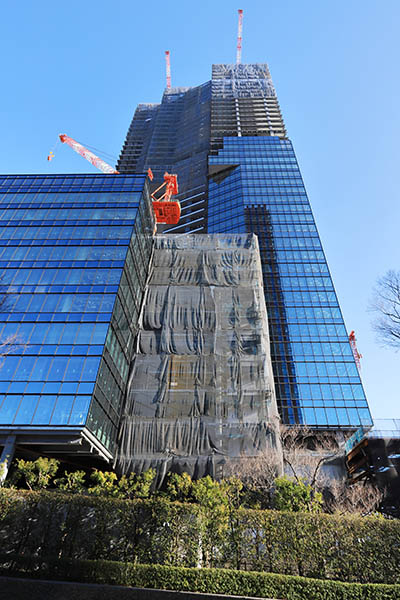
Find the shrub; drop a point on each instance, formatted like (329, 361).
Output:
(208, 581)
(37, 474)
(158, 531)
(296, 496)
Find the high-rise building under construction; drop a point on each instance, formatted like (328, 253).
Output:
(238, 173)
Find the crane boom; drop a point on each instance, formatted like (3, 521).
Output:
(92, 158)
(239, 38)
(168, 67)
(165, 210)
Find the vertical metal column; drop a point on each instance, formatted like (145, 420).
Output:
(6, 456)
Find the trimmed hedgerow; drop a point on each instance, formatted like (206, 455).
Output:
(209, 581)
(351, 548)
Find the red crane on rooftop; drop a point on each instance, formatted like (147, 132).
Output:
(166, 210)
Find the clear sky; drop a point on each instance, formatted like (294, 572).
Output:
(81, 68)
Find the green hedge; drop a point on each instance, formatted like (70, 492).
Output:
(352, 549)
(210, 581)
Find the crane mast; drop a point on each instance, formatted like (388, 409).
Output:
(168, 69)
(239, 38)
(356, 354)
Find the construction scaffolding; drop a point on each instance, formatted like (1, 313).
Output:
(201, 389)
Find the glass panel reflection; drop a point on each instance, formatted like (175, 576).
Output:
(64, 255)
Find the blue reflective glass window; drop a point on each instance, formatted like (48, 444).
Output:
(351, 369)
(86, 387)
(91, 368)
(69, 333)
(73, 276)
(8, 409)
(79, 302)
(44, 410)
(69, 388)
(26, 410)
(84, 333)
(312, 369)
(54, 332)
(108, 302)
(100, 332)
(24, 368)
(321, 416)
(7, 370)
(337, 391)
(321, 369)
(358, 392)
(326, 392)
(347, 392)
(309, 415)
(47, 276)
(24, 331)
(65, 304)
(74, 369)
(331, 416)
(79, 410)
(316, 393)
(354, 416)
(94, 303)
(62, 410)
(50, 303)
(22, 303)
(41, 368)
(341, 369)
(365, 417)
(36, 303)
(57, 369)
(304, 390)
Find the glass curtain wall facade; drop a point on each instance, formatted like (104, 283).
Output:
(74, 253)
(255, 186)
(316, 378)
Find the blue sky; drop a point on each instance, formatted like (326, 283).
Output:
(81, 68)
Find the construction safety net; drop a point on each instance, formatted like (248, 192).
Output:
(201, 390)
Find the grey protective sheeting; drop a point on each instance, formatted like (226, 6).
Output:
(201, 387)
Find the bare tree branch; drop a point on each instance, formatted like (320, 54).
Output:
(362, 497)
(386, 304)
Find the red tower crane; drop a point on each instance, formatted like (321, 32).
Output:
(168, 68)
(239, 38)
(166, 211)
(92, 158)
(356, 354)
